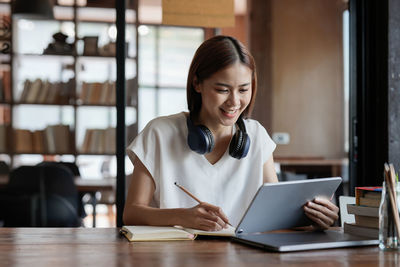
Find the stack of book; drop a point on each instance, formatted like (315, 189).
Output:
(5, 86)
(366, 212)
(44, 92)
(53, 139)
(104, 93)
(99, 141)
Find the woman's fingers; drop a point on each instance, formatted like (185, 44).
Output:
(325, 202)
(317, 220)
(322, 211)
(216, 210)
(207, 225)
(318, 216)
(318, 208)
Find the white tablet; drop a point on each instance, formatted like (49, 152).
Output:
(280, 205)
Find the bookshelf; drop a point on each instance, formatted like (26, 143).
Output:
(62, 75)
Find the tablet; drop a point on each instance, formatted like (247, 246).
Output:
(280, 205)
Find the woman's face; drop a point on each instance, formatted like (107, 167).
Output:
(225, 95)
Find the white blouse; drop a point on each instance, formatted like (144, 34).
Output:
(229, 183)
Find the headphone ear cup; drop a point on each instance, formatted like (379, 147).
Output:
(200, 138)
(236, 144)
(245, 145)
(209, 138)
(240, 145)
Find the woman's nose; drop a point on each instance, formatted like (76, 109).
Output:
(234, 99)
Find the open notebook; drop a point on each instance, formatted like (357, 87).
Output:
(160, 233)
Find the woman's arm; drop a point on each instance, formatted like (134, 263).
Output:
(269, 173)
(138, 212)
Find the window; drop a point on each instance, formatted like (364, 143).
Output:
(165, 54)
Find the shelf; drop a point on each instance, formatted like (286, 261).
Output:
(44, 154)
(55, 56)
(68, 105)
(103, 57)
(42, 121)
(70, 56)
(41, 104)
(95, 154)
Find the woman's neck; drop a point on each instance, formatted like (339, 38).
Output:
(218, 130)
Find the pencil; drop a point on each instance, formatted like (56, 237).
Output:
(191, 195)
(187, 192)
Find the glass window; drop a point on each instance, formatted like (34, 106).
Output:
(175, 96)
(177, 47)
(165, 54)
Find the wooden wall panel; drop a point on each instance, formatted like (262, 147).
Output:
(306, 77)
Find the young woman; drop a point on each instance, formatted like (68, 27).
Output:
(215, 151)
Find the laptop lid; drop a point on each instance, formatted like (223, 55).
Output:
(280, 205)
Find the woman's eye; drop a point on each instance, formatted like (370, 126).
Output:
(222, 90)
(243, 90)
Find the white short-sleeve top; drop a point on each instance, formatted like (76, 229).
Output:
(229, 183)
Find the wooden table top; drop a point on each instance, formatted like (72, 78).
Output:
(105, 247)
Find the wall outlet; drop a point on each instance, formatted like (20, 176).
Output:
(281, 138)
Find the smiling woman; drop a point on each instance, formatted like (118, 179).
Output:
(215, 150)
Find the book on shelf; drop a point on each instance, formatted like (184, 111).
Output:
(165, 233)
(354, 229)
(5, 86)
(99, 141)
(53, 139)
(105, 93)
(33, 91)
(23, 141)
(44, 92)
(3, 138)
(39, 141)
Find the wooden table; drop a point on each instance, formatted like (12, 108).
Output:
(105, 247)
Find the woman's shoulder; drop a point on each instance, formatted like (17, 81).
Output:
(253, 126)
(165, 123)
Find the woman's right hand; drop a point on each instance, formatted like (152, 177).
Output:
(205, 217)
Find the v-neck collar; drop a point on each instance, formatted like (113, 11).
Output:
(204, 160)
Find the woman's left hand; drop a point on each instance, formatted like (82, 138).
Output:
(323, 212)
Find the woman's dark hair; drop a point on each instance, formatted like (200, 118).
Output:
(212, 56)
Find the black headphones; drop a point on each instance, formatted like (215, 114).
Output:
(201, 140)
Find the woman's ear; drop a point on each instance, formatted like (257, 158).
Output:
(196, 84)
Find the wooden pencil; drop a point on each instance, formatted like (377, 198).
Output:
(391, 185)
(187, 192)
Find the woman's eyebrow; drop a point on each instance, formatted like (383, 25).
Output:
(245, 84)
(227, 85)
(223, 84)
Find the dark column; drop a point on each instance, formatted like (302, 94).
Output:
(121, 132)
(260, 47)
(394, 83)
(368, 91)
